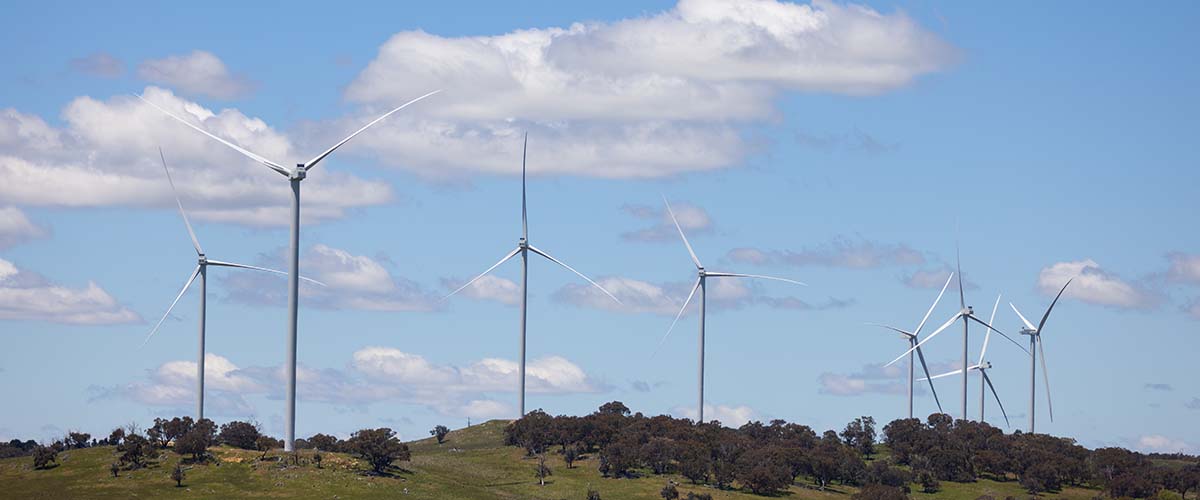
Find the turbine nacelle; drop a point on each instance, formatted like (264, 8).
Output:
(299, 174)
(1028, 331)
(202, 260)
(522, 243)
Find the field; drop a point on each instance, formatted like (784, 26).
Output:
(471, 464)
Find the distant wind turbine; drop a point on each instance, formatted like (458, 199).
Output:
(967, 314)
(912, 338)
(982, 367)
(523, 248)
(294, 176)
(701, 283)
(1035, 347)
(201, 271)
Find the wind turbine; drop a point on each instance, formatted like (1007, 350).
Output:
(294, 176)
(1035, 346)
(982, 367)
(912, 338)
(967, 314)
(523, 248)
(702, 276)
(201, 271)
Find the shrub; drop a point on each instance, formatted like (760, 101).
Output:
(242, 435)
(570, 455)
(379, 447)
(440, 433)
(43, 456)
(178, 475)
(879, 492)
(669, 492)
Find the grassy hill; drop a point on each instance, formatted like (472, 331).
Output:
(471, 464)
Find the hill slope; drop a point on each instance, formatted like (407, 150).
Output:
(473, 463)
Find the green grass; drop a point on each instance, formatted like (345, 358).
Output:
(471, 464)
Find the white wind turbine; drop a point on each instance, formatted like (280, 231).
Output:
(201, 271)
(294, 176)
(702, 276)
(1035, 347)
(967, 314)
(523, 248)
(982, 367)
(912, 338)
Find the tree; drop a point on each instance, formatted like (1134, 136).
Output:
(879, 492)
(178, 475)
(860, 435)
(658, 453)
(43, 456)
(669, 492)
(570, 455)
(531, 432)
(115, 437)
(196, 440)
(929, 482)
(135, 450)
(177, 427)
(542, 470)
(379, 447)
(614, 408)
(114, 468)
(764, 471)
(324, 442)
(317, 459)
(694, 463)
(440, 433)
(265, 444)
(79, 439)
(242, 435)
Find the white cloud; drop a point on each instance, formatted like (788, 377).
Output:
(1185, 268)
(729, 416)
(16, 228)
(1094, 285)
(550, 374)
(198, 73)
(106, 154)
(641, 97)
(635, 295)
(100, 64)
(489, 287)
(841, 253)
(693, 219)
(25, 295)
(353, 282)
(1157, 443)
(173, 385)
(872, 379)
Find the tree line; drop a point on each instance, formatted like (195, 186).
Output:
(766, 459)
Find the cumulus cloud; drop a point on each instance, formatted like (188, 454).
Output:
(26, 295)
(1094, 285)
(649, 96)
(197, 73)
(1157, 443)
(352, 282)
(16, 228)
(872, 379)
(373, 374)
(841, 253)
(729, 416)
(489, 287)
(100, 64)
(693, 219)
(106, 154)
(1185, 268)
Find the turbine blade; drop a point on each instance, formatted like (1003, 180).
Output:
(268, 163)
(927, 339)
(1045, 377)
(988, 380)
(892, 328)
(195, 242)
(192, 278)
(962, 300)
(524, 215)
(934, 305)
(988, 333)
(1022, 316)
(925, 367)
(677, 316)
(681, 235)
(1042, 323)
(313, 162)
(256, 268)
(992, 328)
(738, 275)
(569, 268)
(947, 374)
(467, 284)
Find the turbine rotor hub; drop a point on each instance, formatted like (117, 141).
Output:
(299, 173)
(202, 260)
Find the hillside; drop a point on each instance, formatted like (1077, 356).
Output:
(473, 463)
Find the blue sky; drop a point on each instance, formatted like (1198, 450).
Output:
(843, 145)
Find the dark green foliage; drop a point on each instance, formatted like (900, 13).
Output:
(764, 470)
(115, 437)
(379, 447)
(860, 435)
(880, 492)
(694, 462)
(135, 450)
(532, 432)
(79, 439)
(440, 433)
(324, 442)
(239, 434)
(43, 456)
